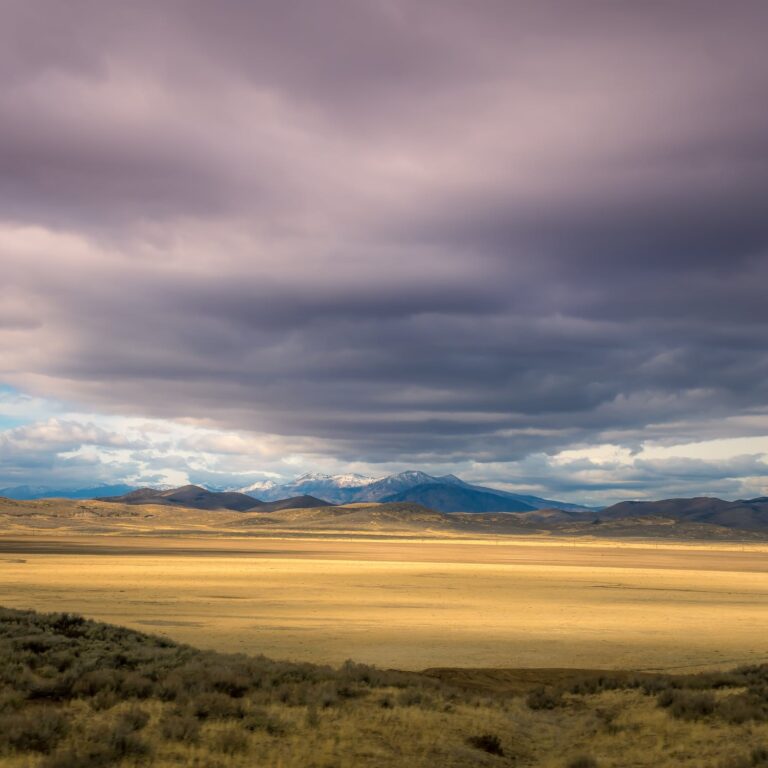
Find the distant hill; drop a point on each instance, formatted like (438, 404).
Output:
(295, 502)
(191, 496)
(446, 497)
(29, 492)
(744, 514)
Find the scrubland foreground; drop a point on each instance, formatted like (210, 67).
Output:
(81, 694)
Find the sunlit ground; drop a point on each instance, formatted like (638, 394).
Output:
(416, 604)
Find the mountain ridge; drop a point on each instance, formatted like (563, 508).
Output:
(340, 489)
(745, 514)
(449, 497)
(190, 496)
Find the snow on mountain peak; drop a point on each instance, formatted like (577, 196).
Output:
(259, 485)
(350, 480)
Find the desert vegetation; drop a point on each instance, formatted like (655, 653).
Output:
(76, 693)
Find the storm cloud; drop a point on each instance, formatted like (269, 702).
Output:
(417, 232)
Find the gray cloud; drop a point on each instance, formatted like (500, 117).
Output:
(406, 232)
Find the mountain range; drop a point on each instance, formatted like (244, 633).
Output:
(408, 492)
(444, 493)
(31, 492)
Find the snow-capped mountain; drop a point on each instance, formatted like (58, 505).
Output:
(260, 486)
(350, 480)
(391, 484)
(446, 493)
(344, 489)
(337, 489)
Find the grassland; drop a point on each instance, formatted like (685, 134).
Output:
(411, 604)
(528, 650)
(79, 694)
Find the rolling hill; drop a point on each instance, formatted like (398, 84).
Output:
(295, 502)
(744, 514)
(190, 496)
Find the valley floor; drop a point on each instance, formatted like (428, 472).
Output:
(411, 603)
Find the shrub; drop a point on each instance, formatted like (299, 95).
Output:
(544, 698)
(133, 719)
(10, 701)
(180, 726)
(312, 719)
(386, 702)
(261, 720)
(230, 740)
(135, 685)
(757, 758)
(488, 742)
(687, 705)
(122, 741)
(104, 700)
(231, 682)
(100, 747)
(741, 708)
(582, 761)
(212, 706)
(94, 682)
(34, 731)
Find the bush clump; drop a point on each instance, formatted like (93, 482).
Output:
(38, 730)
(687, 705)
(488, 742)
(178, 725)
(230, 740)
(216, 706)
(582, 761)
(544, 698)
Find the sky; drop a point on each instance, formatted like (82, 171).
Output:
(524, 242)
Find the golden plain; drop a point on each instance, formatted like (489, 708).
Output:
(413, 603)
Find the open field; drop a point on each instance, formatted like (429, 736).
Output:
(413, 604)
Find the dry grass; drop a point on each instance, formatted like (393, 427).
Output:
(78, 694)
(411, 604)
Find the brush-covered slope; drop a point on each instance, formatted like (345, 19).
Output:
(295, 502)
(745, 514)
(81, 694)
(190, 496)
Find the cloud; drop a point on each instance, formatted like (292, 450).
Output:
(606, 474)
(389, 233)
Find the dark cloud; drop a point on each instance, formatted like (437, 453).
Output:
(407, 231)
